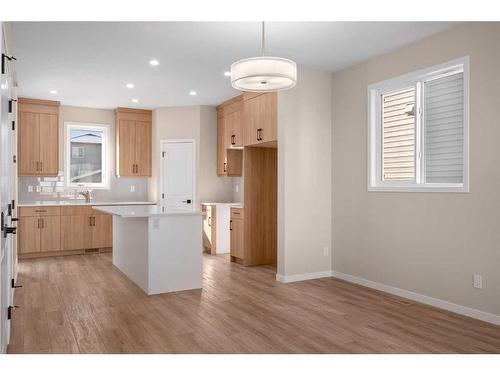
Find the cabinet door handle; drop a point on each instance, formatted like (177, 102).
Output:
(233, 142)
(90, 221)
(230, 225)
(43, 223)
(41, 166)
(93, 221)
(37, 166)
(225, 167)
(259, 134)
(38, 223)
(210, 221)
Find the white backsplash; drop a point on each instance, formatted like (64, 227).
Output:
(32, 189)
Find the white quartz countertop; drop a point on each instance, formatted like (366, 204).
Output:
(234, 204)
(83, 203)
(143, 211)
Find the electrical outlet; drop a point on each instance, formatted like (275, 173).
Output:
(477, 281)
(38, 188)
(325, 251)
(30, 188)
(132, 188)
(237, 188)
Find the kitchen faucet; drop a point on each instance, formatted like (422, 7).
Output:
(87, 194)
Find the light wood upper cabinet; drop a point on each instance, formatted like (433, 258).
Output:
(234, 129)
(230, 134)
(260, 118)
(221, 147)
(133, 142)
(38, 137)
(143, 148)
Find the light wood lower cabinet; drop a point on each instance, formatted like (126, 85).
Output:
(75, 232)
(209, 227)
(50, 233)
(236, 228)
(29, 235)
(65, 229)
(39, 234)
(102, 231)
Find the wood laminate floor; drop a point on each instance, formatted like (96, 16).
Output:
(82, 304)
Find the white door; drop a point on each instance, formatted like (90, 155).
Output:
(7, 194)
(177, 178)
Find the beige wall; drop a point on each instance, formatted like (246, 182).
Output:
(428, 243)
(304, 176)
(198, 123)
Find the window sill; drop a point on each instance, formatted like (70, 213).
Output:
(419, 189)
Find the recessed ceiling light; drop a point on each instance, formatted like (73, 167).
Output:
(192, 93)
(154, 62)
(227, 74)
(130, 85)
(135, 100)
(53, 92)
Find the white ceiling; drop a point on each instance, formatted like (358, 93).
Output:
(89, 63)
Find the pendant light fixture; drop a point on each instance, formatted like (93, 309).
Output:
(263, 73)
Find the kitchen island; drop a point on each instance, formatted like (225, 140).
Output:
(160, 250)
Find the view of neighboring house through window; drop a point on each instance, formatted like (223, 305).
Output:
(418, 130)
(86, 155)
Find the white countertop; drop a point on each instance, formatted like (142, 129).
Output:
(143, 211)
(234, 204)
(83, 203)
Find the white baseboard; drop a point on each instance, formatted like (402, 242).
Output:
(439, 303)
(304, 276)
(445, 305)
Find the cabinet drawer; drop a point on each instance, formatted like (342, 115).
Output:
(236, 213)
(39, 211)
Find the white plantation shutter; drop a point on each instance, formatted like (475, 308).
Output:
(444, 129)
(398, 135)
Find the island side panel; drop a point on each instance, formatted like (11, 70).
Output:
(130, 248)
(175, 253)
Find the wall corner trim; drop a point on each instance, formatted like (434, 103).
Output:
(439, 303)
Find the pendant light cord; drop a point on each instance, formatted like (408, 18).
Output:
(263, 38)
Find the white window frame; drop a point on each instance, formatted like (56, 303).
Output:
(69, 126)
(417, 78)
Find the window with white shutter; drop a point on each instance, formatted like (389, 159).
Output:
(418, 130)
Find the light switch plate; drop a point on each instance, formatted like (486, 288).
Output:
(132, 188)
